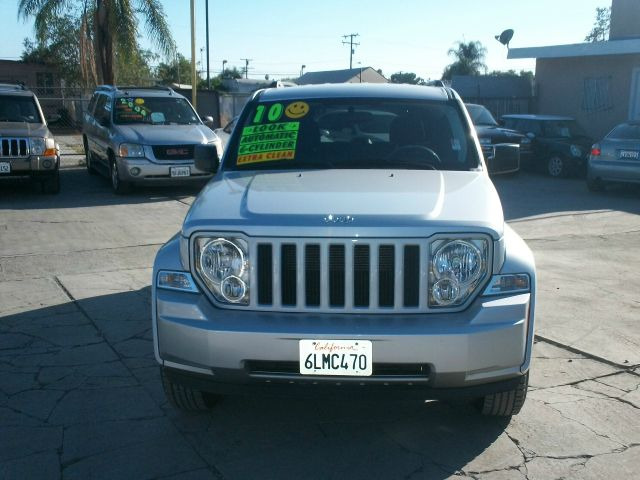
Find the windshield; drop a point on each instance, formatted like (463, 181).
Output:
(18, 109)
(480, 115)
(563, 129)
(352, 133)
(154, 110)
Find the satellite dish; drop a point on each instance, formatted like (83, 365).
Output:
(505, 37)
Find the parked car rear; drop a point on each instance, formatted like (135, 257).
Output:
(615, 158)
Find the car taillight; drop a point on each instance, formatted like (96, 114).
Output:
(595, 151)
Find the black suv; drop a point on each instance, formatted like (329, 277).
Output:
(27, 148)
(503, 149)
(559, 144)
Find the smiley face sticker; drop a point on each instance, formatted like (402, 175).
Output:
(297, 109)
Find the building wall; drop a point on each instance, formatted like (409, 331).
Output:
(625, 19)
(31, 74)
(594, 90)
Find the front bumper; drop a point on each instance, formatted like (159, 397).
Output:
(32, 166)
(158, 172)
(623, 171)
(489, 342)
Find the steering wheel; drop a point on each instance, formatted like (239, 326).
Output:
(414, 153)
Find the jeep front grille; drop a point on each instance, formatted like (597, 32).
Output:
(14, 147)
(380, 275)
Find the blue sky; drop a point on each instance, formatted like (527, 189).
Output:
(407, 35)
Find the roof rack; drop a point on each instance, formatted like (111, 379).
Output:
(114, 88)
(12, 86)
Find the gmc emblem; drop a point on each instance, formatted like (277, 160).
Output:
(177, 151)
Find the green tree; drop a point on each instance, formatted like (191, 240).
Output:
(110, 25)
(528, 74)
(600, 30)
(176, 71)
(469, 60)
(407, 77)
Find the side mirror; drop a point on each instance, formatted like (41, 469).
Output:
(531, 135)
(53, 118)
(208, 121)
(206, 158)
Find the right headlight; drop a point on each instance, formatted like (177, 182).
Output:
(131, 150)
(457, 267)
(223, 265)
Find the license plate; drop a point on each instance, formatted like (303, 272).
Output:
(5, 167)
(631, 154)
(336, 357)
(180, 171)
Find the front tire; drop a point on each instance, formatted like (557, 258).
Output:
(505, 404)
(88, 157)
(119, 186)
(185, 398)
(556, 167)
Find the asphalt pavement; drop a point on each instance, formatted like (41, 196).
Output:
(80, 394)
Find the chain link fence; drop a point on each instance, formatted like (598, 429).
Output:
(63, 107)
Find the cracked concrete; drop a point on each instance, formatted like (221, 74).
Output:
(80, 393)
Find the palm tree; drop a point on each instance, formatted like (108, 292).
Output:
(469, 60)
(114, 29)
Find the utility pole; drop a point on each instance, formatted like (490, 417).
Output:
(246, 66)
(206, 8)
(351, 45)
(224, 62)
(302, 69)
(194, 76)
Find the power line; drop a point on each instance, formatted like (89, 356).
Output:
(351, 45)
(246, 66)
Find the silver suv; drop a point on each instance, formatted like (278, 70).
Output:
(27, 148)
(351, 242)
(137, 135)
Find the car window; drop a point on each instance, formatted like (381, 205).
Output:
(92, 104)
(101, 114)
(562, 129)
(530, 126)
(352, 133)
(625, 132)
(19, 109)
(154, 110)
(480, 115)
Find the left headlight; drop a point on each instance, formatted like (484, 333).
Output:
(45, 147)
(457, 267)
(131, 150)
(576, 151)
(223, 265)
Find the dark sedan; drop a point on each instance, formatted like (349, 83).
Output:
(615, 158)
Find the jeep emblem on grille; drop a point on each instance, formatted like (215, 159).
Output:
(338, 219)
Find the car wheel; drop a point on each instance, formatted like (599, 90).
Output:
(51, 184)
(119, 186)
(505, 404)
(556, 167)
(88, 158)
(595, 184)
(185, 398)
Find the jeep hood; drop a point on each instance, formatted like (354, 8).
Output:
(378, 203)
(166, 134)
(23, 129)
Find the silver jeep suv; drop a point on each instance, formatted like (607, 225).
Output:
(27, 147)
(351, 242)
(143, 135)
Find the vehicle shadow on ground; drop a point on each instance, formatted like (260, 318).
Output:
(529, 194)
(99, 352)
(79, 189)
